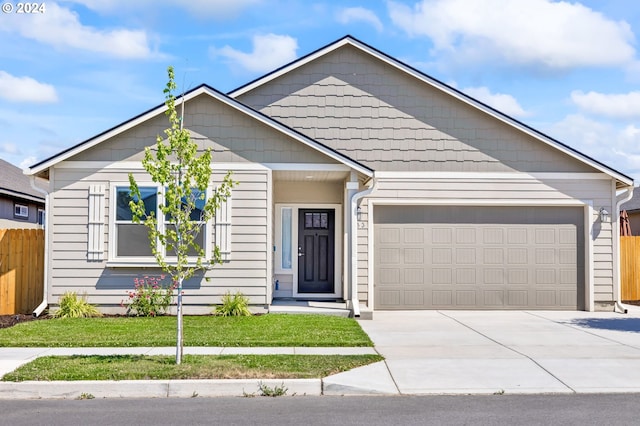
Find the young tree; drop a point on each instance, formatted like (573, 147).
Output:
(184, 175)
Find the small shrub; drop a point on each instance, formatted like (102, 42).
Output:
(149, 298)
(272, 391)
(72, 306)
(85, 395)
(233, 306)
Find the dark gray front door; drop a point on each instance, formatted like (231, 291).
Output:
(316, 251)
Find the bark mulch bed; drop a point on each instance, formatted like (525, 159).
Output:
(7, 321)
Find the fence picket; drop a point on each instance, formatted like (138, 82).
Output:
(630, 268)
(21, 270)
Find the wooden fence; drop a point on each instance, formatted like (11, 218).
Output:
(21, 270)
(630, 268)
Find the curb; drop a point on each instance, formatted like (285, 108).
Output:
(155, 388)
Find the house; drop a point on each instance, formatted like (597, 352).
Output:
(360, 179)
(632, 207)
(21, 205)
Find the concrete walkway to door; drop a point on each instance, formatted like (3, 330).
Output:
(487, 352)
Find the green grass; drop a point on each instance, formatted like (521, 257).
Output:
(140, 367)
(262, 330)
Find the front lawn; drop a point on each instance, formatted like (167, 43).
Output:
(261, 330)
(140, 367)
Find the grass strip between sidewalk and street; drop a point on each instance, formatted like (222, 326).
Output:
(143, 367)
(273, 330)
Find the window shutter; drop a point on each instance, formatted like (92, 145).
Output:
(95, 250)
(223, 228)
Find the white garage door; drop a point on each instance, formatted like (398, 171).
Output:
(440, 257)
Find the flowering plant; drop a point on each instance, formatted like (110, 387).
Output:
(149, 298)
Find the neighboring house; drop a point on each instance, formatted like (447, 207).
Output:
(21, 206)
(360, 179)
(632, 208)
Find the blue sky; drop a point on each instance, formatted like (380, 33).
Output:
(568, 69)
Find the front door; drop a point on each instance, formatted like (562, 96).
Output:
(316, 251)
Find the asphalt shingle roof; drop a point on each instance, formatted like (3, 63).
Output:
(634, 202)
(13, 182)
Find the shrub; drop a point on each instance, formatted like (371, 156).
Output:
(72, 306)
(233, 306)
(149, 298)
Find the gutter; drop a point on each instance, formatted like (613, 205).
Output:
(355, 304)
(621, 199)
(43, 305)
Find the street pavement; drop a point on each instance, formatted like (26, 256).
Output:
(426, 352)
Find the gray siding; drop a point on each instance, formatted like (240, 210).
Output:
(439, 191)
(233, 137)
(107, 286)
(9, 220)
(388, 120)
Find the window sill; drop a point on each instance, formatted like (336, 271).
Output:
(135, 263)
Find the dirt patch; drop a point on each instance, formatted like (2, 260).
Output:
(7, 321)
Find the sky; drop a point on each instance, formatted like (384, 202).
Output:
(74, 69)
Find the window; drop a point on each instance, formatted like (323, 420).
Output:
(21, 211)
(196, 216)
(286, 238)
(316, 221)
(131, 240)
(42, 217)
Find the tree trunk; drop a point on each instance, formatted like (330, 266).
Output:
(179, 341)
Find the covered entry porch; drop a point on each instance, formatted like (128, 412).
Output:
(311, 228)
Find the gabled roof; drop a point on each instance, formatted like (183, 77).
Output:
(200, 90)
(14, 183)
(622, 179)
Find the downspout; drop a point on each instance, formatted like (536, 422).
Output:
(43, 305)
(355, 304)
(621, 199)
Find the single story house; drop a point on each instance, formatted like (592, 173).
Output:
(21, 205)
(360, 179)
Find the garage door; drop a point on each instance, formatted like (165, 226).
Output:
(440, 257)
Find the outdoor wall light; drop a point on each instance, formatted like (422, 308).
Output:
(604, 215)
(359, 214)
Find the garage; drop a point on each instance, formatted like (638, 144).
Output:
(461, 257)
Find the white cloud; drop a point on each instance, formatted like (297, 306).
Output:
(27, 162)
(614, 105)
(198, 8)
(539, 33)
(62, 29)
(502, 102)
(25, 89)
(9, 148)
(359, 14)
(270, 51)
(617, 147)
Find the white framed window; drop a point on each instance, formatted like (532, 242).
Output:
(21, 211)
(284, 239)
(286, 224)
(130, 241)
(196, 216)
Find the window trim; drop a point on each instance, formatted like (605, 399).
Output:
(279, 240)
(42, 217)
(17, 211)
(113, 224)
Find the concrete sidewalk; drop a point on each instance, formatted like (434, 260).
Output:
(12, 358)
(426, 352)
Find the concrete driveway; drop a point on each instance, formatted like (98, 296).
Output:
(459, 352)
